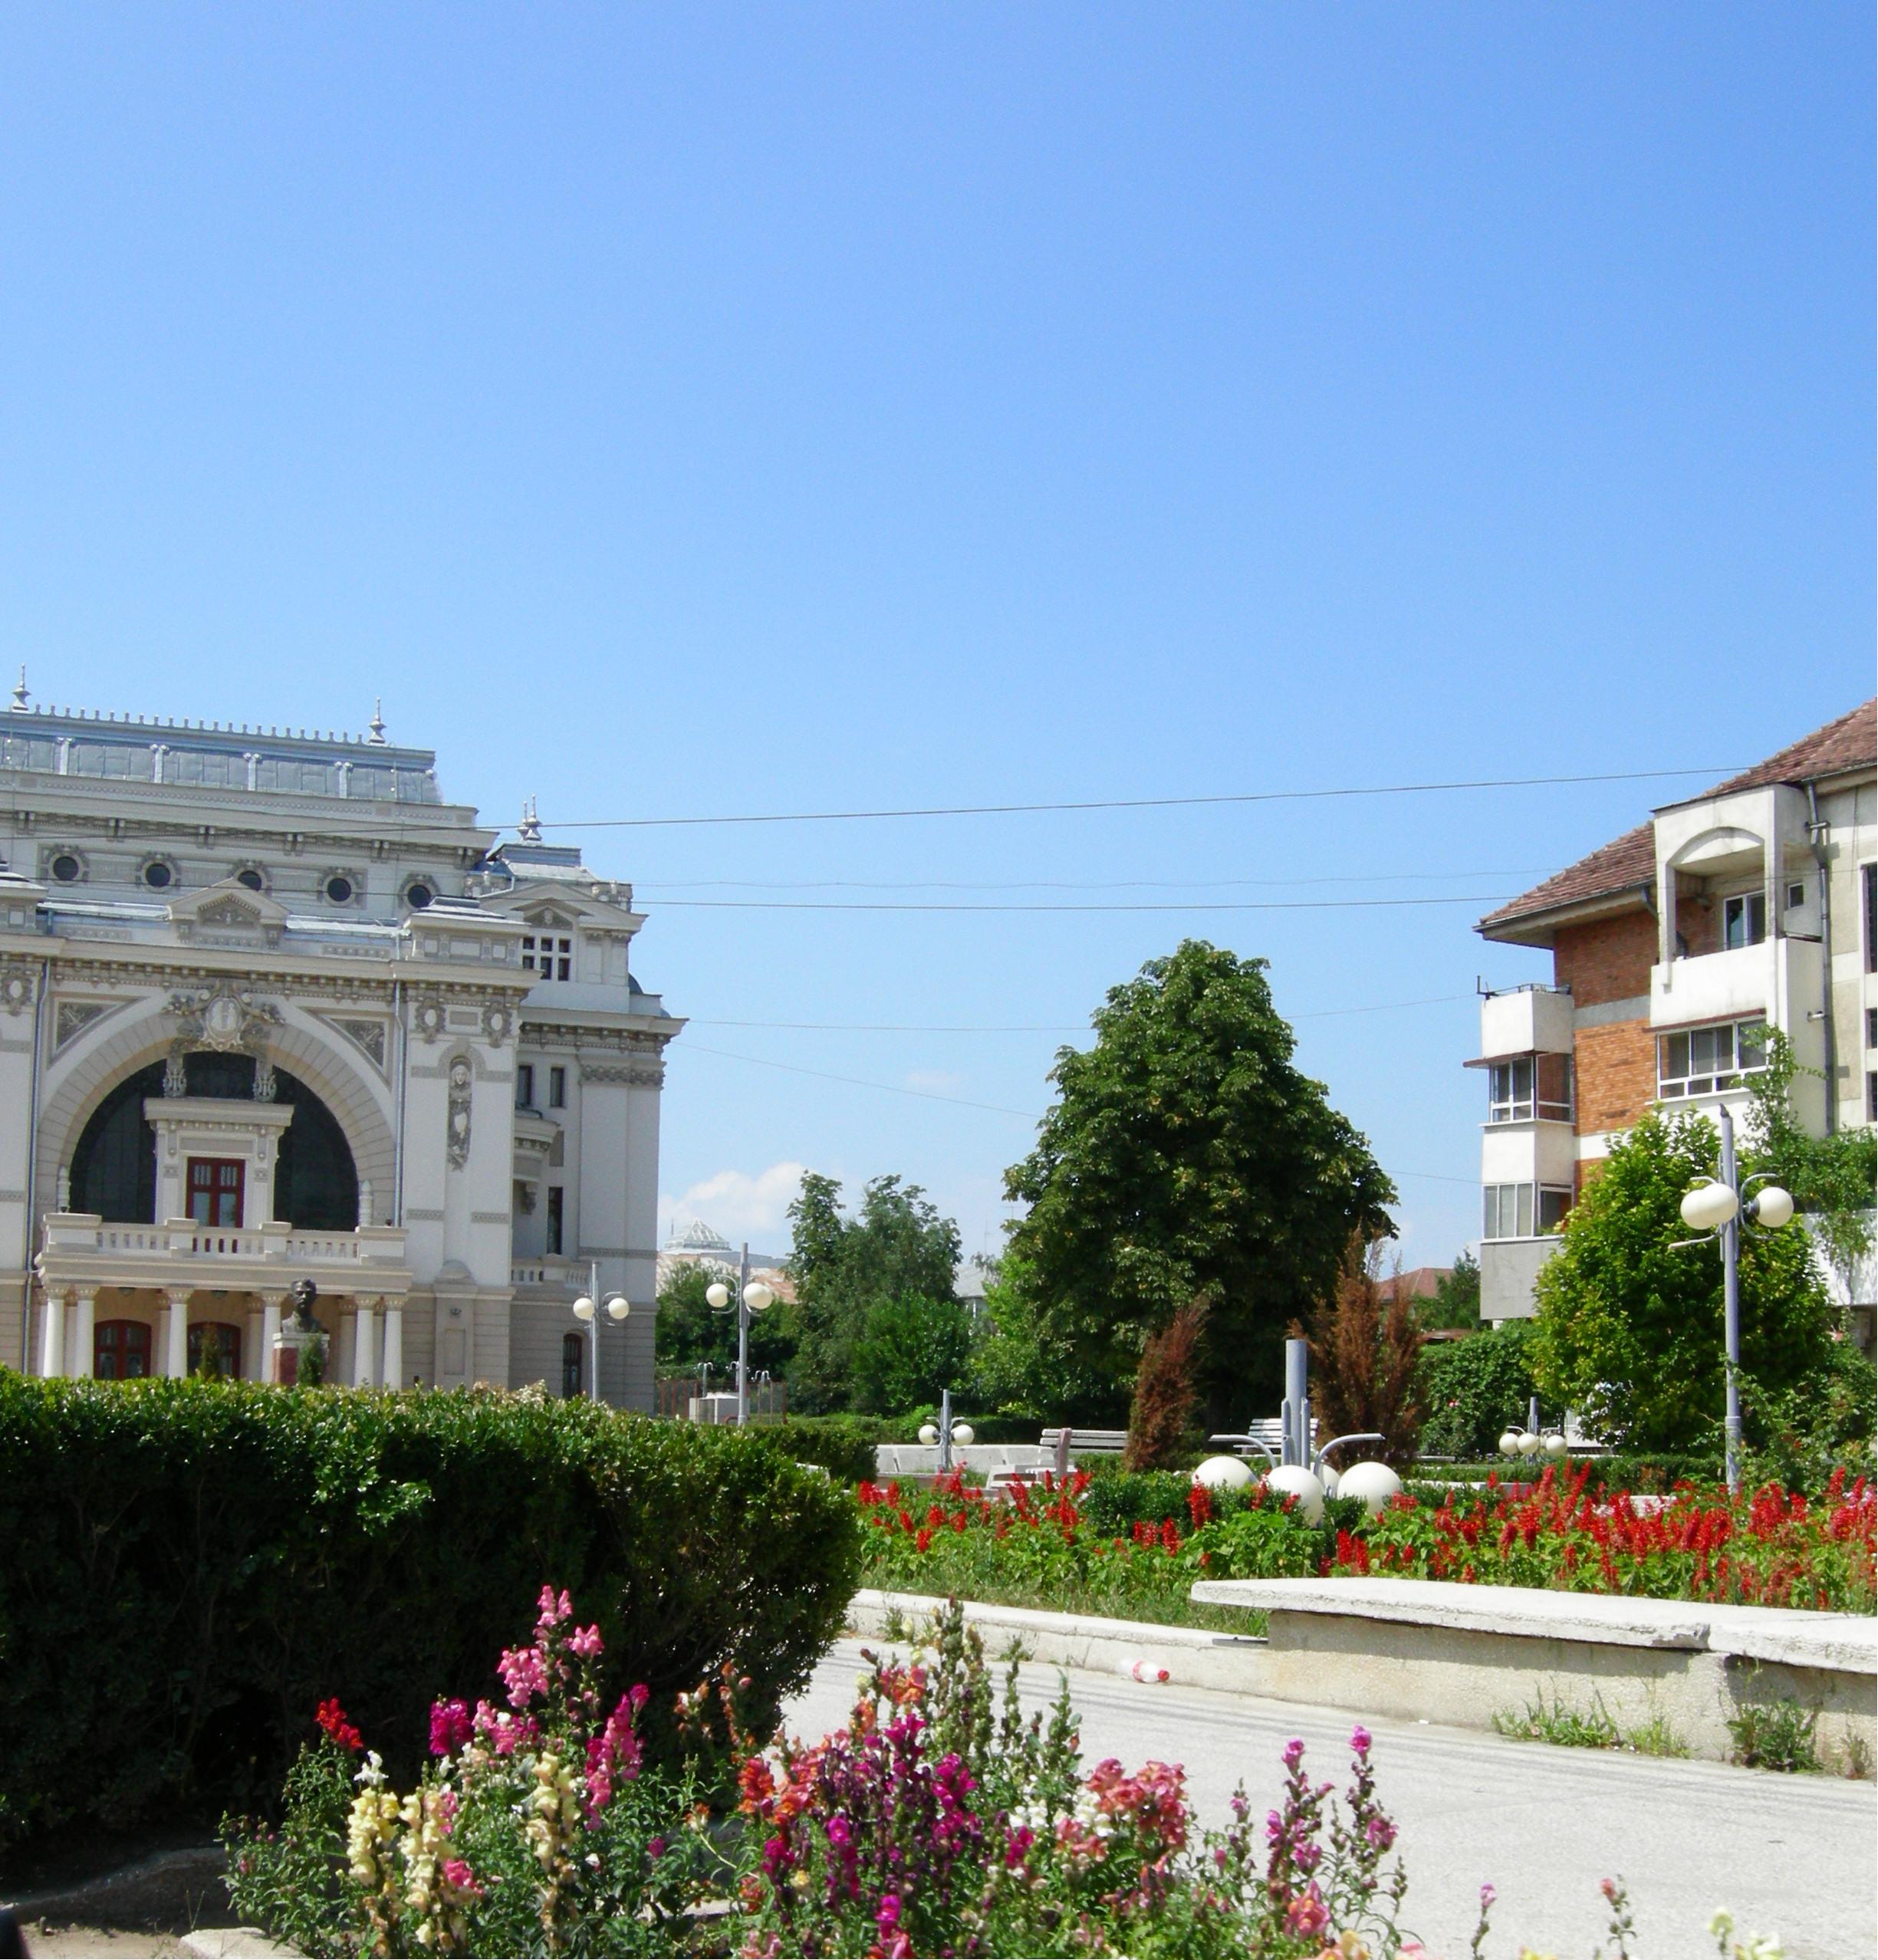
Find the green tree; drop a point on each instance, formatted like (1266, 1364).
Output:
(909, 1348)
(1628, 1329)
(690, 1331)
(1186, 1155)
(1831, 1178)
(1025, 1369)
(896, 1245)
(1456, 1301)
(1475, 1389)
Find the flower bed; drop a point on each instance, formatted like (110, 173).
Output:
(941, 1819)
(1772, 1548)
(1042, 1548)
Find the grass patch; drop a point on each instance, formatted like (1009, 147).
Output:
(1777, 1735)
(1592, 1728)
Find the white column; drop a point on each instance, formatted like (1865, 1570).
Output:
(52, 1336)
(78, 1355)
(394, 1376)
(176, 1338)
(253, 1368)
(270, 1334)
(341, 1371)
(362, 1346)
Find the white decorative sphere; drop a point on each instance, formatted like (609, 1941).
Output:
(717, 1293)
(1509, 1442)
(1373, 1484)
(1294, 1480)
(1528, 1442)
(929, 1433)
(1554, 1443)
(1224, 1473)
(963, 1433)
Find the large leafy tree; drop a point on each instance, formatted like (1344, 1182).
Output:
(908, 1349)
(691, 1330)
(1629, 1326)
(1186, 1156)
(897, 1246)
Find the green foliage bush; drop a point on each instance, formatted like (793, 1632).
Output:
(192, 1566)
(1473, 1388)
(843, 1446)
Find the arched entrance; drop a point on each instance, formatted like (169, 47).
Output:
(113, 1168)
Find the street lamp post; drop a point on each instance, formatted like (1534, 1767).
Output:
(753, 1297)
(1715, 1210)
(586, 1310)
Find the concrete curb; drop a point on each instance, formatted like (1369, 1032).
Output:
(234, 1943)
(1461, 1661)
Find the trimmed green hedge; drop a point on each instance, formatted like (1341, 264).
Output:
(190, 1567)
(843, 1446)
(985, 1428)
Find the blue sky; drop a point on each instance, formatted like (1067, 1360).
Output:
(693, 410)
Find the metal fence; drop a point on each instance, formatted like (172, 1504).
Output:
(678, 1396)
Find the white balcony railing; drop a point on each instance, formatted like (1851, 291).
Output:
(87, 1238)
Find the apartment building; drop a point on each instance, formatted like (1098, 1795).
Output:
(1753, 905)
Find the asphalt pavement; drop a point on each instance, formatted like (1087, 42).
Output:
(1797, 1855)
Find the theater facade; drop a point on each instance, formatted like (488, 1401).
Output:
(272, 1010)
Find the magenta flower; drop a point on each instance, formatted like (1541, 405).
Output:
(450, 1727)
(457, 1876)
(585, 1643)
(1306, 1915)
(525, 1671)
(1360, 1740)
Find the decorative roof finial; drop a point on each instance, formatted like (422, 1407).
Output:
(19, 693)
(376, 724)
(529, 830)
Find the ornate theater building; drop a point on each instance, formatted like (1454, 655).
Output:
(272, 1011)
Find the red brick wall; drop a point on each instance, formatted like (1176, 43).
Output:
(1616, 1072)
(1608, 959)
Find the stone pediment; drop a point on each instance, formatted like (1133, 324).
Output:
(228, 914)
(544, 907)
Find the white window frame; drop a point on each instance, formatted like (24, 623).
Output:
(1707, 1069)
(1741, 905)
(524, 1085)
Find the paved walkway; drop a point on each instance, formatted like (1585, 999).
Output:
(1797, 1855)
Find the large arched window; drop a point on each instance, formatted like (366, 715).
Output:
(113, 1169)
(121, 1350)
(216, 1349)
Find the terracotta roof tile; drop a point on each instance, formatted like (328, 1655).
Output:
(1630, 862)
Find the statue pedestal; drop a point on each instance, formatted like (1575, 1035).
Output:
(290, 1345)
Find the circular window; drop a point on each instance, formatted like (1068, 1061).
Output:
(252, 878)
(158, 876)
(66, 869)
(418, 896)
(339, 890)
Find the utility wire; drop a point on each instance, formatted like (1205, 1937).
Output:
(1033, 1027)
(1064, 884)
(1145, 905)
(1127, 803)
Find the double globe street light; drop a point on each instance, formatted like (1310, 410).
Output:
(753, 1297)
(586, 1311)
(1714, 1210)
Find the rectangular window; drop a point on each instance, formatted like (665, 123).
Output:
(1554, 1202)
(524, 1085)
(1509, 1091)
(1871, 1095)
(527, 952)
(1506, 1212)
(1744, 920)
(1701, 1061)
(557, 1087)
(1871, 1028)
(1796, 897)
(216, 1190)
(556, 1213)
(1553, 1084)
(564, 959)
(543, 953)
(1868, 897)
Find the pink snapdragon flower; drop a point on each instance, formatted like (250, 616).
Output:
(450, 1727)
(524, 1670)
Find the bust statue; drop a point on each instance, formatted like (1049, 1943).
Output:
(303, 1293)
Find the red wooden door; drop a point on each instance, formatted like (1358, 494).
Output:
(216, 1190)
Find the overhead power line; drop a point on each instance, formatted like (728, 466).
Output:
(1032, 1028)
(1145, 905)
(1069, 885)
(1130, 802)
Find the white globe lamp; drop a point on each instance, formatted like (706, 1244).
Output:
(1553, 1444)
(1294, 1480)
(1509, 1442)
(1373, 1485)
(757, 1297)
(718, 1294)
(616, 1308)
(963, 1433)
(1708, 1207)
(1528, 1442)
(1224, 1473)
(929, 1433)
(1770, 1206)
(583, 1308)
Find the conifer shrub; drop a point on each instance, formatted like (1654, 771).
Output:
(1164, 1418)
(190, 1566)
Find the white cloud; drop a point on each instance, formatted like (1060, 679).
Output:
(934, 1081)
(740, 1206)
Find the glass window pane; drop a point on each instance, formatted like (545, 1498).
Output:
(1525, 1210)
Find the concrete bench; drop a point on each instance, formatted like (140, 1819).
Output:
(1086, 1442)
(1445, 1652)
(921, 1459)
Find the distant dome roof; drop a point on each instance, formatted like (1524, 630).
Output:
(697, 1236)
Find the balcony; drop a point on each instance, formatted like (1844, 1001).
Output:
(1524, 1021)
(80, 1252)
(549, 1270)
(1777, 982)
(1509, 1271)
